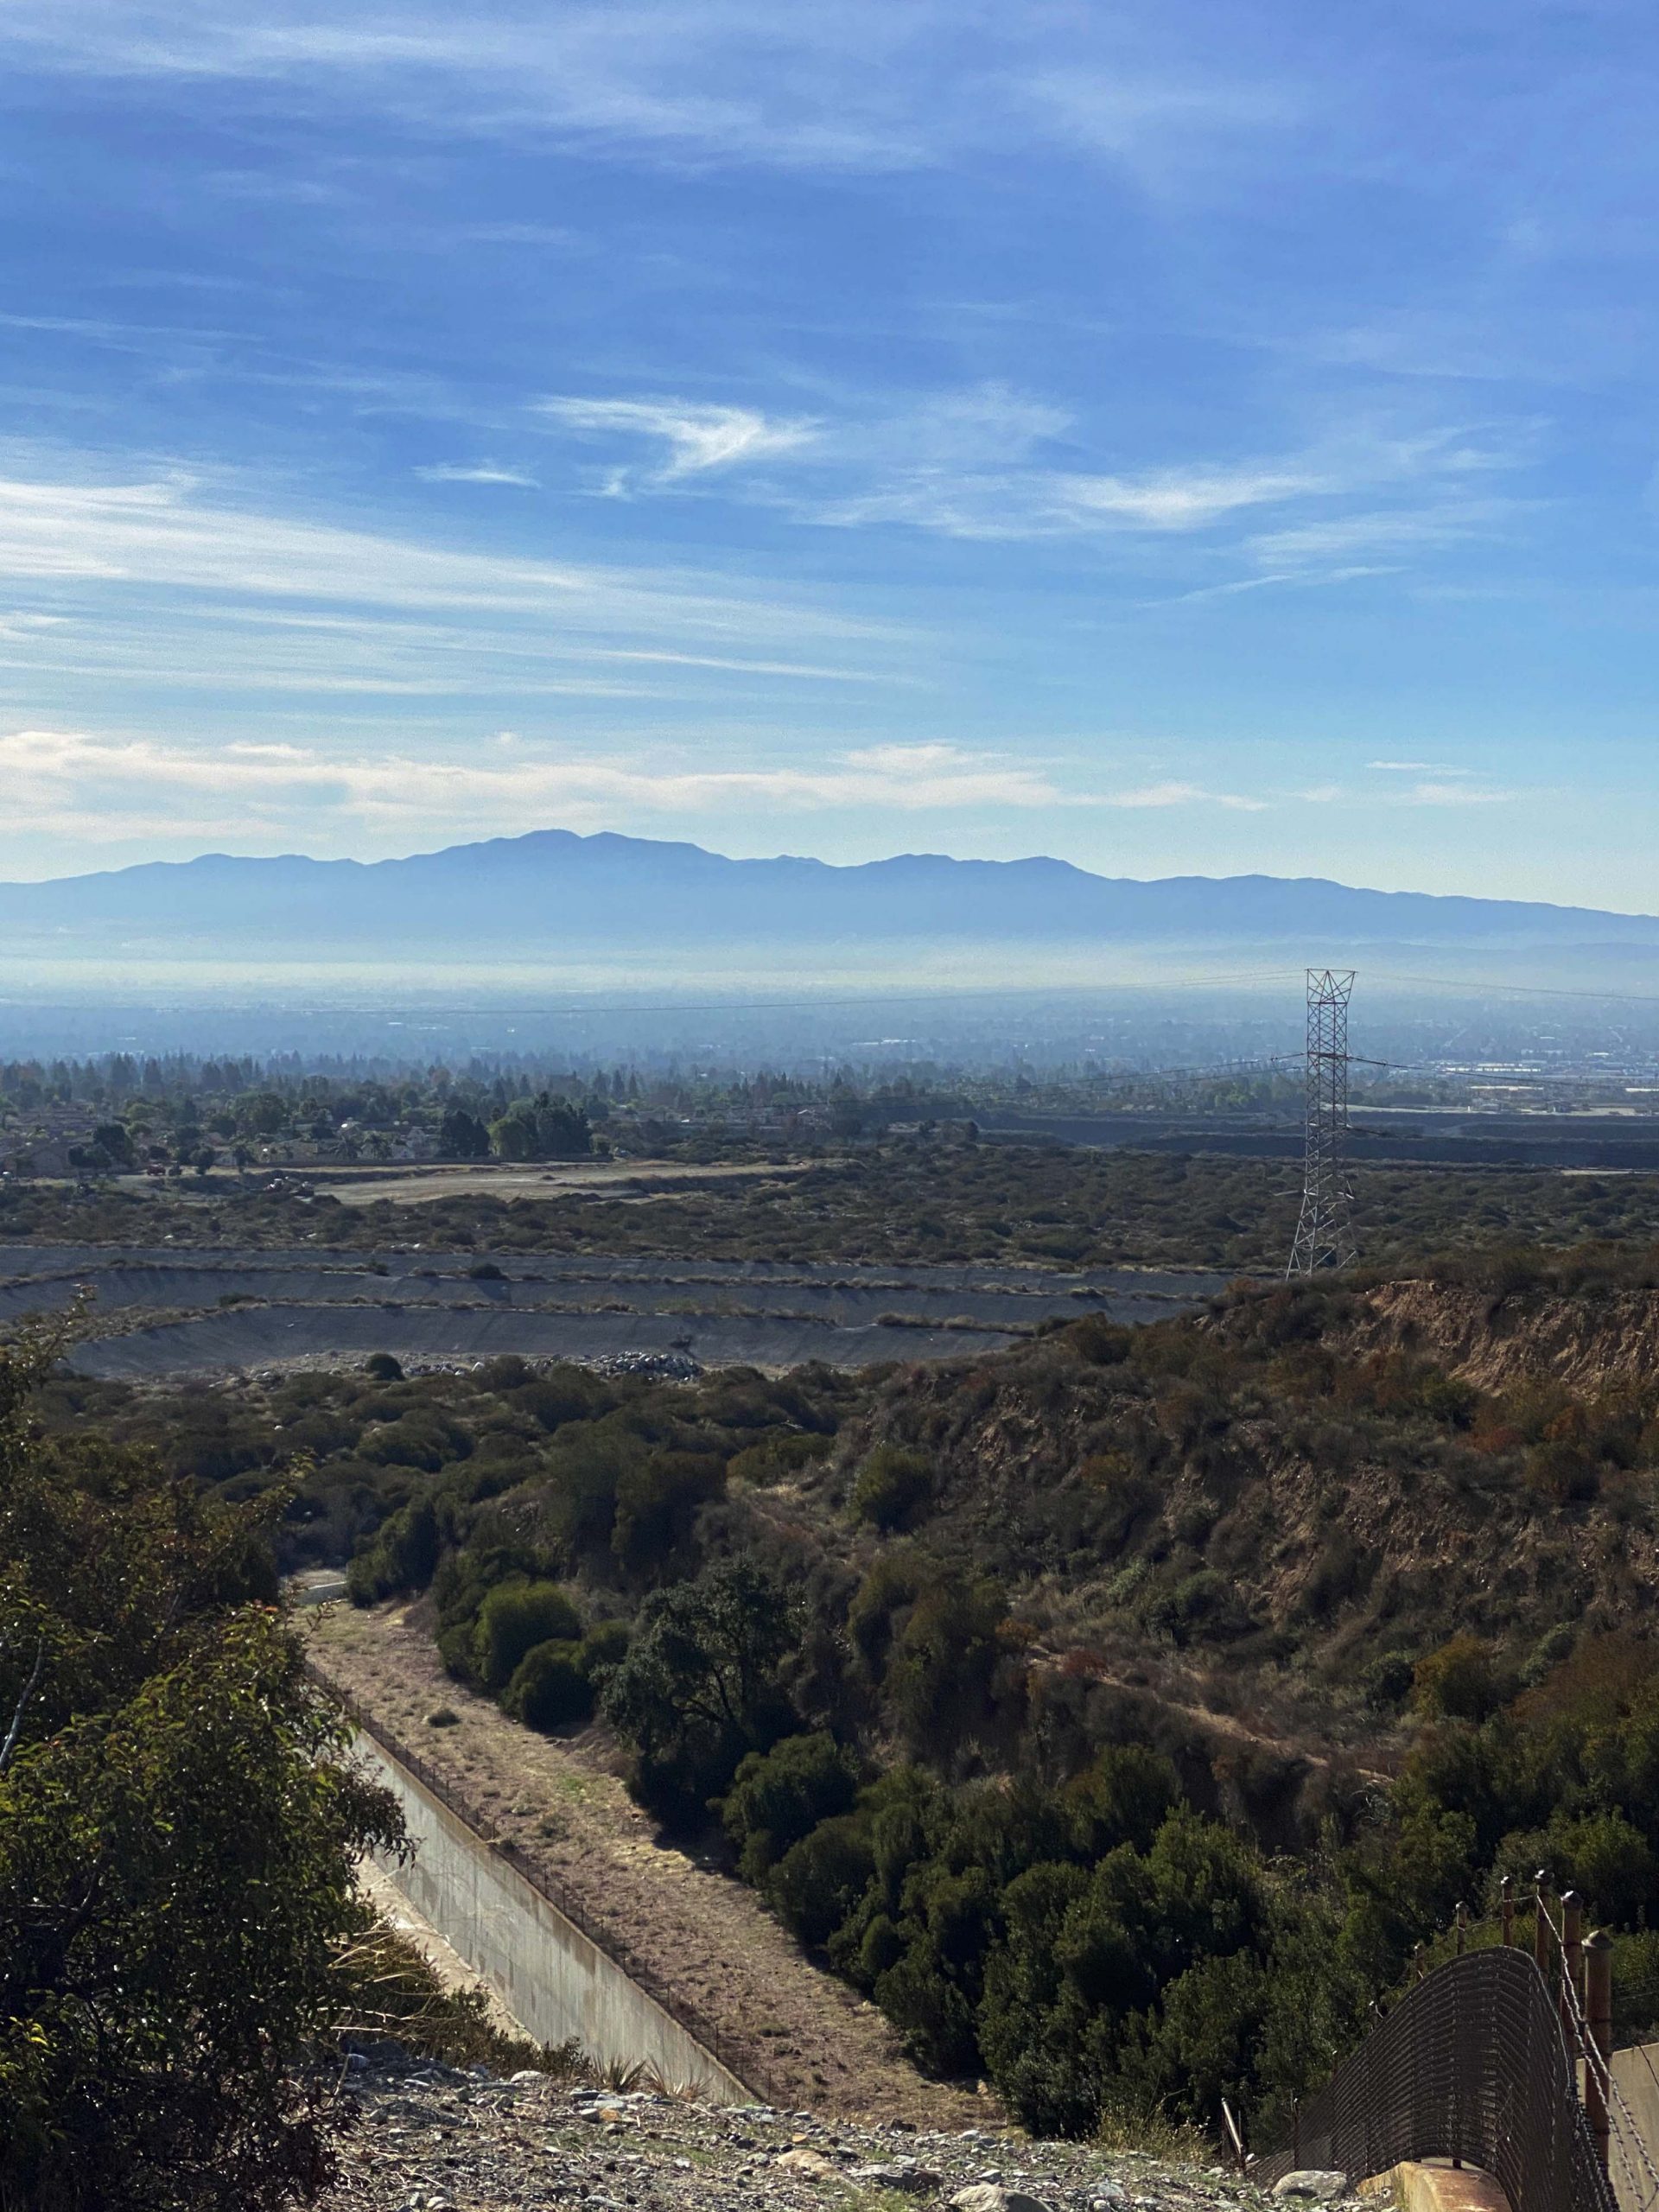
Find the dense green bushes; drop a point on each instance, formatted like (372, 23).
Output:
(1093, 1947)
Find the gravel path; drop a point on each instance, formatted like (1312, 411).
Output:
(419, 2138)
(800, 2029)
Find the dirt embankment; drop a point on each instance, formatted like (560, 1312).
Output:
(814, 2040)
(1590, 1343)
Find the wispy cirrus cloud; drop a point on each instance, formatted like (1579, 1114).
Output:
(1181, 794)
(1441, 783)
(698, 439)
(96, 787)
(162, 586)
(990, 463)
(481, 472)
(850, 84)
(1416, 768)
(1436, 793)
(88, 785)
(167, 530)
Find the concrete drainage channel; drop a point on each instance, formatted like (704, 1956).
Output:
(555, 1980)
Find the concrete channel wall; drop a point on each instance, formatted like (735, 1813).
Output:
(553, 1980)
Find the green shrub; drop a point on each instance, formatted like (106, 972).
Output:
(940, 1676)
(381, 1367)
(778, 1456)
(657, 1499)
(700, 1687)
(605, 1646)
(512, 1620)
(1458, 1682)
(780, 1797)
(550, 1688)
(891, 1489)
(817, 1883)
(403, 1557)
(179, 1822)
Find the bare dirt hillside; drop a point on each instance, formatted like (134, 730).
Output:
(1589, 1344)
(820, 2045)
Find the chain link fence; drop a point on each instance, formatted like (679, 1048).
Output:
(1470, 2065)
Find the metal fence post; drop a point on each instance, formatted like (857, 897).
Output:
(1598, 2019)
(1461, 1921)
(1571, 1963)
(1506, 1908)
(1541, 1923)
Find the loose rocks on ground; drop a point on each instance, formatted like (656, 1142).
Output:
(417, 2137)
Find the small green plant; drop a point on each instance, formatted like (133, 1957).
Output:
(892, 1489)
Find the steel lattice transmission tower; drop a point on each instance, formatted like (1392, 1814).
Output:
(1325, 1232)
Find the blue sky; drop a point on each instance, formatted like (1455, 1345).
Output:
(1200, 439)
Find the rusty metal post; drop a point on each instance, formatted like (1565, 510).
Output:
(1598, 2019)
(1571, 1963)
(1461, 1919)
(1506, 1908)
(1296, 2130)
(1540, 1930)
(1419, 1964)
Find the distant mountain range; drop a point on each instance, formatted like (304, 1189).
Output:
(554, 892)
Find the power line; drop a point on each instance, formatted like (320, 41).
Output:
(1521, 990)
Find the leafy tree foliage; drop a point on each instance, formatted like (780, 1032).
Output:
(543, 1128)
(700, 1688)
(178, 1835)
(462, 1136)
(780, 1797)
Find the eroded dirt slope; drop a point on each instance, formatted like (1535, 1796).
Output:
(1590, 1343)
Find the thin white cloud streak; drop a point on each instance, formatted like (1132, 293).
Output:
(455, 472)
(97, 787)
(87, 537)
(1039, 503)
(853, 85)
(982, 465)
(698, 438)
(55, 777)
(1439, 794)
(1416, 529)
(1179, 794)
(1416, 768)
(244, 648)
